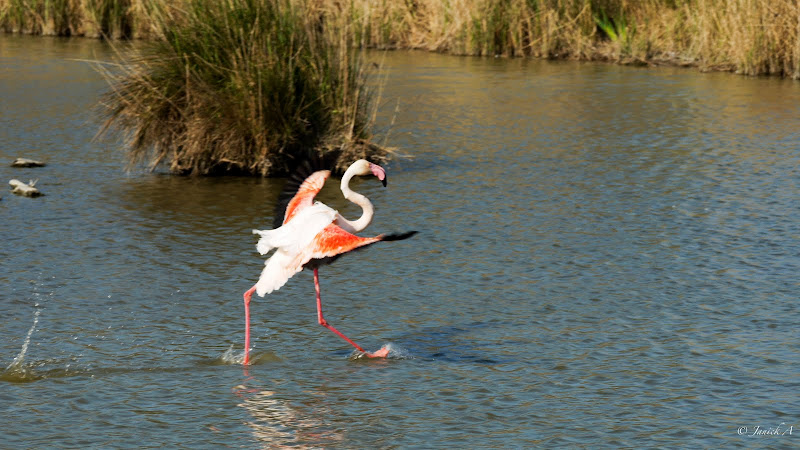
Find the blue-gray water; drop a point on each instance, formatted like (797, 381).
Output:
(608, 256)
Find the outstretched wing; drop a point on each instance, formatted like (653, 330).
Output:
(305, 194)
(294, 242)
(281, 266)
(297, 234)
(327, 245)
(333, 241)
(305, 169)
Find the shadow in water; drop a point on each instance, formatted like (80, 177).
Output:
(451, 343)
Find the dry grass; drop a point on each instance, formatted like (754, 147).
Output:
(116, 19)
(748, 36)
(546, 28)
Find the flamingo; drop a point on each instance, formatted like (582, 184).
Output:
(311, 234)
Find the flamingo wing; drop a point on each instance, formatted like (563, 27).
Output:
(333, 241)
(298, 233)
(281, 266)
(294, 244)
(304, 196)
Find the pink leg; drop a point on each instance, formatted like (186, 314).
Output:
(324, 322)
(247, 296)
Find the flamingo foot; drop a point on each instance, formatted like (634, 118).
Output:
(382, 353)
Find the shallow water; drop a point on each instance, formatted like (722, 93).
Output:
(607, 257)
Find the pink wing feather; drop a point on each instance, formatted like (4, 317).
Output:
(283, 264)
(333, 241)
(306, 193)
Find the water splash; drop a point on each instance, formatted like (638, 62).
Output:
(395, 352)
(231, 356)
(17, 362)
(16, 371)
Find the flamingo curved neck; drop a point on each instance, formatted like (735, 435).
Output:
(358, 199)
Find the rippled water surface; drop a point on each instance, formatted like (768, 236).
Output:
(608, 256)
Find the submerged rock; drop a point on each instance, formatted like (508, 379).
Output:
(25, 190)
(25, 162)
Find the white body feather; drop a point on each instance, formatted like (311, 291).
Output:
(292, 241)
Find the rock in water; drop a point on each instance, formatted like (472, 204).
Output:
(25, 190)
(25, 162)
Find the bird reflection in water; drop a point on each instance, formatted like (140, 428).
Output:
(277, 423)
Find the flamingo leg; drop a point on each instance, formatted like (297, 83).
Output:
(324, 322)
(247, 296)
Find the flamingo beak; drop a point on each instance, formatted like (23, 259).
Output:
(378, 172)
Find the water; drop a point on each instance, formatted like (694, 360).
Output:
(607, 257)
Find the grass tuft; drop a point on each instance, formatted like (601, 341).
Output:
(242, 86)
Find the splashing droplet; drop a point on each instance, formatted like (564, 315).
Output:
(229, 357)
(17, 362)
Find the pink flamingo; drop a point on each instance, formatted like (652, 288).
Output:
(311, 234)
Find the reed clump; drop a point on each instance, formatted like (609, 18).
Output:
(242, 86)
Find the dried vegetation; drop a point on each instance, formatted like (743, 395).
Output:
(245, 85)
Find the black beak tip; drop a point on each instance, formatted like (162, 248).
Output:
(384, 181)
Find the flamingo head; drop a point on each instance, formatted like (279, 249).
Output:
(363, 167)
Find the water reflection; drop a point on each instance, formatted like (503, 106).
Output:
(276, 422)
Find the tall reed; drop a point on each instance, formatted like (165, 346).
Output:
(242, 86)
(117, 19)
(747, 36)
